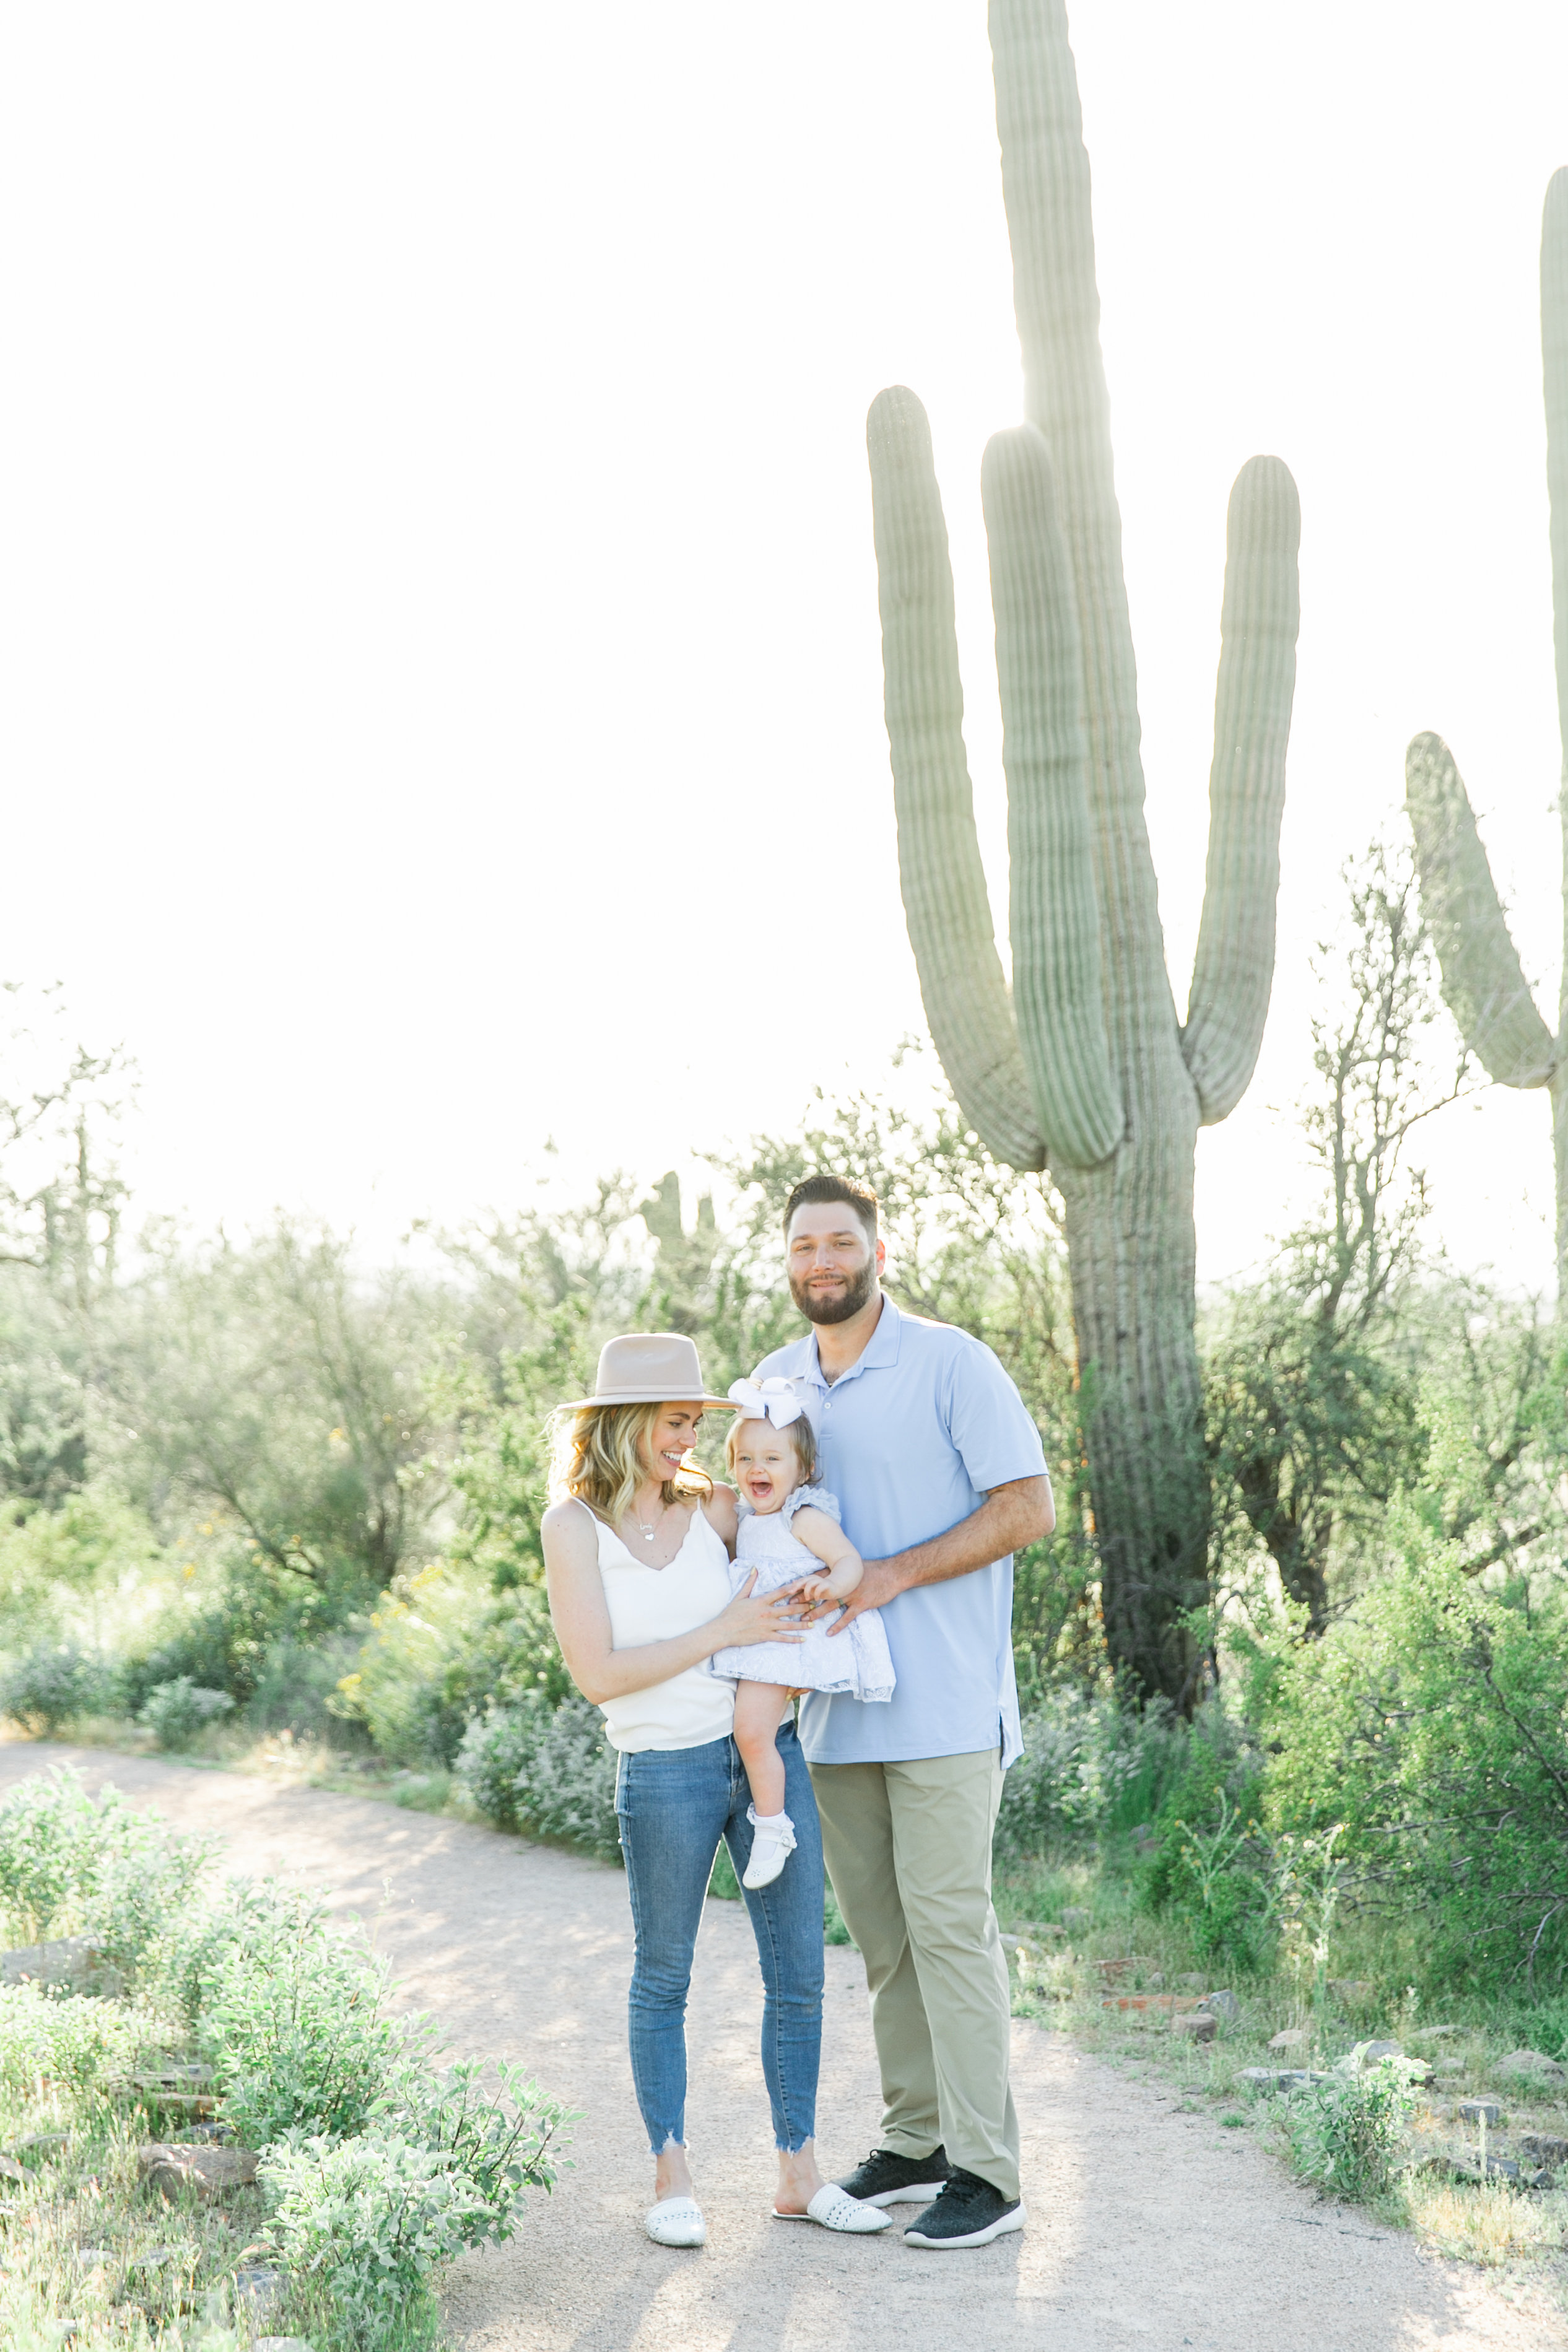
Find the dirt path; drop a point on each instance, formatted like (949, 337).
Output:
(1148, 2227)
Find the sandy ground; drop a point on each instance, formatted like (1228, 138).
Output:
(1147, 2227)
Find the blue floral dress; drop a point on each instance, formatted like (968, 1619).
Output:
(855, 1665)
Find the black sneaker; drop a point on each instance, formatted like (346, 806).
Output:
(887, 2180)
(969, 2212)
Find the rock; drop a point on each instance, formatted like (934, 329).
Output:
(1301, 2078)
(1293, 2038)
(1372, 2051)
(1168, 2001)
(279, 2344)
(1198, 2025)
(1533, 2065)
(183, 2167)
(1480, 2111)
(40, 2147)
(1112, 1971)
(1542, 2149)
(1157, 1980)
(1223, 2004)
(10, 2170)
(1192, 1983)
(1273, 2078)
(1436, 2032)
(1077, 1920)
(74, 1960)
(258, 2290)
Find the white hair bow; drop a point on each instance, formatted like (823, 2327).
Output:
(774, 1400)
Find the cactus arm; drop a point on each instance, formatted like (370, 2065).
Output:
(1555, 370)
(1057, 980)
(943, 882)
(1046, 188)
(1484, 986)
(1233, 971)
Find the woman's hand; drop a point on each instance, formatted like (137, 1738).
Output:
(755, 1616)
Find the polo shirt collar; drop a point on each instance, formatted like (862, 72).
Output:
(881, 1350)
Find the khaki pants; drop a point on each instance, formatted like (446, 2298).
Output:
(908, 1847)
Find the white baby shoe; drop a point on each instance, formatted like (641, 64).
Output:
(771, 1848)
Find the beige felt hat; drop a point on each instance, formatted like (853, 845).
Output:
(649, 1368)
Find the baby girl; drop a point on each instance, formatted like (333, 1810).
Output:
(790, 1532)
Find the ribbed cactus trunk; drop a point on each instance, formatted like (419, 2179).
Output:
(1084, 1066)
(1483, 980)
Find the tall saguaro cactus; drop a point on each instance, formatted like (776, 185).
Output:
(1483, 980)
(1083, 1066)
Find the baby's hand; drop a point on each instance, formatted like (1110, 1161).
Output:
(818, 1590)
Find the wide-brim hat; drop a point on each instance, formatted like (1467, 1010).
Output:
(649, 1368)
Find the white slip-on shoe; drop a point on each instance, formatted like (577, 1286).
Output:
(676, 2222)
(836, 2211)
(771, 1848)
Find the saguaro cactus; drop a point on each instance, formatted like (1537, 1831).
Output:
(1483, 981)
(1084, 1065)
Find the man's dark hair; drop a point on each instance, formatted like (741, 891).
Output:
(813, 1190)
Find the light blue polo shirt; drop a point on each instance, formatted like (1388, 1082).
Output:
(913, 1438)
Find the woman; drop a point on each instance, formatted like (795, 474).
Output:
(638, 1543)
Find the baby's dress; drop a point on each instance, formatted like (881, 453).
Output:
(855, 1664)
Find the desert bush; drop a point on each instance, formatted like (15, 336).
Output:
(179, 1711)
(1429, 1724)
(501, 2144)
(290, 2018)
(1348, 2133)
(1210, 1870)
(1089, 1764)
(80, 2045)
(52, 1683)
(70, 1863)
(544, 1769)
(370, 2216)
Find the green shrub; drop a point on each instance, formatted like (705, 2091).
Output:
(1429, 1725)
(80, 2045)
(178, 1712)
(1210, 1868)
(54, 1682)
(289, 2015)
(372, 2217)
(1348, 2133)
(503, 2145)
(1088, 1764)
(544, 1769)
(71, 1863)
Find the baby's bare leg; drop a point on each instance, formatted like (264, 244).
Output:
(759, 1711)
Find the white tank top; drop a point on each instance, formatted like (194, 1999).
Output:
(653, 1604)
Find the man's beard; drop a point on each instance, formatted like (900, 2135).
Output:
(840, 1309)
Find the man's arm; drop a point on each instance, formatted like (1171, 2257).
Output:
(1011, 1515)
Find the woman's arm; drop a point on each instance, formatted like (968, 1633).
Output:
(582, 1620)
(827, 1539)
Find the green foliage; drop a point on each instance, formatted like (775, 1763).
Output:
(501, 2141)
(1348, 2133)
(291, 2019)
(1210, 1864)
(53, 1682)
(545, 1770)
(83, 2045)
(70, 1863)
(1430, 1722)
(1089, 1765)
(371, 2216)
(177, 1712)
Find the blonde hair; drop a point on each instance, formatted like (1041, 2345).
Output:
(596, 1456)
(801, 1435)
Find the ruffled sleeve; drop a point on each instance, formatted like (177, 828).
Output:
(820, 1500)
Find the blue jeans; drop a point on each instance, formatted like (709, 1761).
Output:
(675, 1804)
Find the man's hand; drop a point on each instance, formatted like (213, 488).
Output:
(880, 1584)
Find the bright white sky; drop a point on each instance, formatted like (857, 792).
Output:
(443, 701)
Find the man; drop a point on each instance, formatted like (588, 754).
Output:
(940, 1477)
